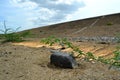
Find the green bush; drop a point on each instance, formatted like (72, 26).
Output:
(109, 23)
(50, 40)
(10, 35)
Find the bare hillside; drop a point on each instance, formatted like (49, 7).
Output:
(107, 25)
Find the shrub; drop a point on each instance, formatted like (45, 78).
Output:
(109, 23)
(10, 35)
(50, 40)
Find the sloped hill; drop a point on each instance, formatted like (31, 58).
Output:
(107, 25)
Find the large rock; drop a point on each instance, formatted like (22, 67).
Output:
(63, 60)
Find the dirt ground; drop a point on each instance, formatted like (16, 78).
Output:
(30, 61)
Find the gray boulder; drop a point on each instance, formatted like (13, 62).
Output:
(62, 60)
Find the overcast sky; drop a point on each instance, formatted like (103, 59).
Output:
(35, 13)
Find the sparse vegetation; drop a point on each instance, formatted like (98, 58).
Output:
(114, 61)
(116, 57)
(89, 56)
(50, 40)
(63, 42)
(10, 35)
(109, 23)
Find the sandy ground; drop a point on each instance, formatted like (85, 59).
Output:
(30, 61)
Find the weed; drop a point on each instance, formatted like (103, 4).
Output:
(89, 56)
(10, 35)
(116, 58)
(109, 23)
(114, 61)
(117, 55)
(103, 60)
(50, 40)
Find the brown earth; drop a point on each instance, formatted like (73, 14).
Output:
(29, 60)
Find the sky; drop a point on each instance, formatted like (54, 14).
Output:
(29, 14)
